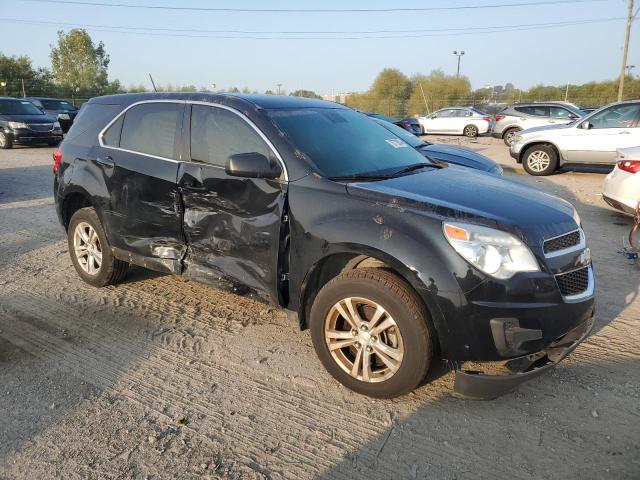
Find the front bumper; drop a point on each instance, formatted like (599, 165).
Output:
(28, 136)
(474, 384)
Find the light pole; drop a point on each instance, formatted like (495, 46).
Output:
(458, 54)
(629, 68)
(278, 85)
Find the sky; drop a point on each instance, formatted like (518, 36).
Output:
(525, 56)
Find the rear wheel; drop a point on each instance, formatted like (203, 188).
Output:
(509, 136)
(540, 160)
(5, 141)
(90, 252)
(371, 333)
(470, 131)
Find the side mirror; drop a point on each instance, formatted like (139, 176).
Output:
(586, 126)
(252, 165)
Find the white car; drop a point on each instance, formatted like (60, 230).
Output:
(456, 121)
(621, 188)
(591, 140)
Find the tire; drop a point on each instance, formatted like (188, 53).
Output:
(407, 337)
(110, 270)
(470, 131)
(5, 142)
(509, 136)
(540, 160)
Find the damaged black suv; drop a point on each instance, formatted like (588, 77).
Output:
(389, 259)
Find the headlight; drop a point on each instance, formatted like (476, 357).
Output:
(56, 125)
(64, 116)
(17, 125)
(519, 138)
(494, 252)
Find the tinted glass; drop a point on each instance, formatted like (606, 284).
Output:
(560, 112)
(58, 105)
(112, 136)
(535, 110)
(444, 114)
(18, 107)
(341, 142)
(216, 134)
(617, 116)
(152, 128)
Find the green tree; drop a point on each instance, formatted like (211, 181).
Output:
(78, 64)
(305, 93)
(390, 92)
(16, 70)
(438, 90)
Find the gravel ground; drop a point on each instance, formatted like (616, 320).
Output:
(164, 378)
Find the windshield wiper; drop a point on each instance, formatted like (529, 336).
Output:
(366, 177)
(416, 166)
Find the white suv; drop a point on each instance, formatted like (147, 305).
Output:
(589, 140)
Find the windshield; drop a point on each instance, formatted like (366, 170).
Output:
(18, 107)
(410, 138)
(342, 142)
(574, 109)
(57, 105)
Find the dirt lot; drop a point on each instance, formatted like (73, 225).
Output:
(163, 378)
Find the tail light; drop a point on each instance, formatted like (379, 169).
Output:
(488, 119)
(500, 117)
(406, 124)
(631, 166)
(57, 158)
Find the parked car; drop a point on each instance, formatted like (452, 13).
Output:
(457, 121)
(410, 124)
(308, 205)
(21, 122)
(64, 111)
(589, 140)
(621, 188)
(451, 154)
(521, 116)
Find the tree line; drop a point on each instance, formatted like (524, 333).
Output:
(79, 70)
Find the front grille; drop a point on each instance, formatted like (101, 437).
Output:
(568, 240)
(573, 283)
(41, 127)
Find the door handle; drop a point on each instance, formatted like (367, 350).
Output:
(105, 162)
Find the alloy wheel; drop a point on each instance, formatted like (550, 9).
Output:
(363, 339)
(538, 161)
(470, 131)
(510, 137)
(87, 248)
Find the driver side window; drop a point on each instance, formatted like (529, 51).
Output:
(617, 116)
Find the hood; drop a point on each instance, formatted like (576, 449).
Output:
(474, 197)
(459, 156)
(28, 118)
(545, 128)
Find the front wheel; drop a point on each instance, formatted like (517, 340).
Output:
(540, 160)
(470, 131)
(510, 136)
(371, 333)
(5, 141)
(90, 252)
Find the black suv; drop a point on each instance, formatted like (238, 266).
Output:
(388, 258)
(64, 111)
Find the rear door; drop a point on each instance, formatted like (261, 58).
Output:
(232, 225)
(138, 158)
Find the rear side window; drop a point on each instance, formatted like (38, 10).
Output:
(111, 137)
(90, 121)
(153, 129)
(559, 112)
(217, 133)
(535, 110)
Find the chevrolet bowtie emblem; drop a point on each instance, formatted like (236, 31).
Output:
(585, 257)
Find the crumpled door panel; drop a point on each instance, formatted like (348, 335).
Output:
(232, 227)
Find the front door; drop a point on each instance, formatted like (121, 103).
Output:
(612, 128)
(232, 225)
(138, 159)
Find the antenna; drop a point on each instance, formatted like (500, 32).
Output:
(153, 83)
